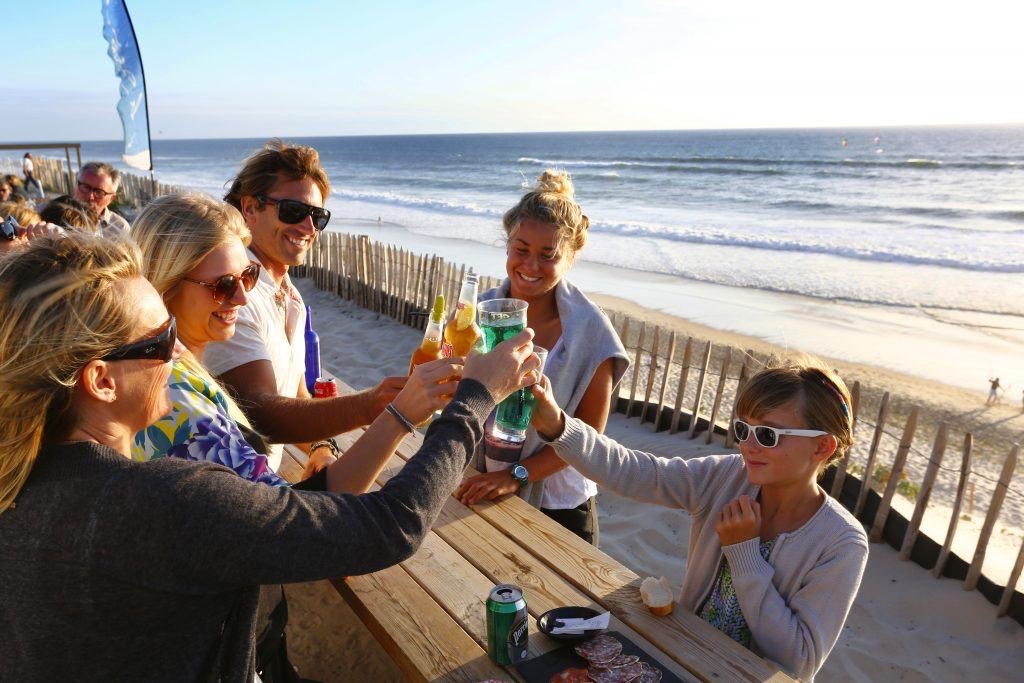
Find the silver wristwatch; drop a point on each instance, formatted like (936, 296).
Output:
(521, 475)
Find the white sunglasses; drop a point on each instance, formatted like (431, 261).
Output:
(768, 437)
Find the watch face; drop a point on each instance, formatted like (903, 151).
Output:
(520, 473)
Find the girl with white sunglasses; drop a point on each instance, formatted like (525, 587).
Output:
(773, 561)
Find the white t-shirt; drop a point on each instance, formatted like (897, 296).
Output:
(27, 166)
(270, 327)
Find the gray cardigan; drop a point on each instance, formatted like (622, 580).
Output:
(588, 339)
(114, 570)
(796, 602)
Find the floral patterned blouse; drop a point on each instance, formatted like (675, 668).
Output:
(722, 610)
(200, 428)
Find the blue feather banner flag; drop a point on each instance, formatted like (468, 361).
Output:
(132, 107)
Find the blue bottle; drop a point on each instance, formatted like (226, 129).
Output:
(312, 352)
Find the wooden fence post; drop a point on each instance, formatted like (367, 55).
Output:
(926, 491)
(692, 433)
(954, 519)
(865, 484)
(840, 475)
(651, 374)
(1011, 584)
(636, 369)
(894, 476)
(730, 436)
(718, 394)
(664, 378)
(974, 573)
(684, 372)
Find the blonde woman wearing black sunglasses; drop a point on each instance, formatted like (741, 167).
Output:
(773, 561)
(115, 570)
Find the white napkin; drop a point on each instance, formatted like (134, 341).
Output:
(577, 625)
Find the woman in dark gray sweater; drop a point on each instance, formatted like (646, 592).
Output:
(116, 570)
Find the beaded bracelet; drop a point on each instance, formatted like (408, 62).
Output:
(401, 418)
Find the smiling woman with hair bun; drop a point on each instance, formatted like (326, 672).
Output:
(544, 231)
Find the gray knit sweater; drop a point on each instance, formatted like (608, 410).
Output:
(114, 570)
(796, 602)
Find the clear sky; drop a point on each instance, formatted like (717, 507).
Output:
(254, 68)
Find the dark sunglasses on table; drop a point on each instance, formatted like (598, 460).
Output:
(158, 347)
(224, 287)
(768, 437)
(291, 211)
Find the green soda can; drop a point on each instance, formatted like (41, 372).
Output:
(508, 625)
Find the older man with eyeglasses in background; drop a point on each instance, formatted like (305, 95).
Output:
(97, 187)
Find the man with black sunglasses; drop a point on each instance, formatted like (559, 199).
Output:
(280, 192)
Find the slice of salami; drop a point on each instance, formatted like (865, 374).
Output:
(600, 648)
(572, 675)
(622, 674)
(620, 661)
(650, 674)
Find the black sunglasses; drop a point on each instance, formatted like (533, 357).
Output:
(225, 286)
(9, 228)
(291, 211)
(158, 347)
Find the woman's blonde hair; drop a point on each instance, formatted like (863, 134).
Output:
(61, 307)
(23, 213)
(821, 396)
(552, 201)
(175, 233)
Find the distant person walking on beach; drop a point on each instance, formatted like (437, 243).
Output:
(993, 391)
(97, 187)
(280, 193)
(28, 170)
(774, 562)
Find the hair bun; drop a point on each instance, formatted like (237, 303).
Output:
(555, 182)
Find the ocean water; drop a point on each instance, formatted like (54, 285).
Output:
(921, 217)
(917, 230)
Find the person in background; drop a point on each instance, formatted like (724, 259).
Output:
(97, 187)
(68, 212)
(28, 170)
(993, 391)
(115, 570)
(773, 561)
(5, 190)
(544, 232)
(280, 192)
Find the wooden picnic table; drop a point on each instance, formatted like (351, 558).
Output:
(428, 612)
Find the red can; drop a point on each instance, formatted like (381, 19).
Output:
(325, 387)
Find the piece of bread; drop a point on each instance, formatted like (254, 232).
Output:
(657, 595)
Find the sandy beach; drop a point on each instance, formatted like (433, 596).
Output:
(904, 625)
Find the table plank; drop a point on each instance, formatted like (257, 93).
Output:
(425, 642)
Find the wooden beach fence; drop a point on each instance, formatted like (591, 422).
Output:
(395, 282)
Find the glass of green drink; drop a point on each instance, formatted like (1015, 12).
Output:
(502, 319)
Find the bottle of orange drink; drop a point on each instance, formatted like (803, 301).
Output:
(462, 334)
(430, 348)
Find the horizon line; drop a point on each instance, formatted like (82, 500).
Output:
(857, 127)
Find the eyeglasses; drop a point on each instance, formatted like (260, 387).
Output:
(291, 211)
(89, 190)
(158, 347)
(225, 286)
(768, 437)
